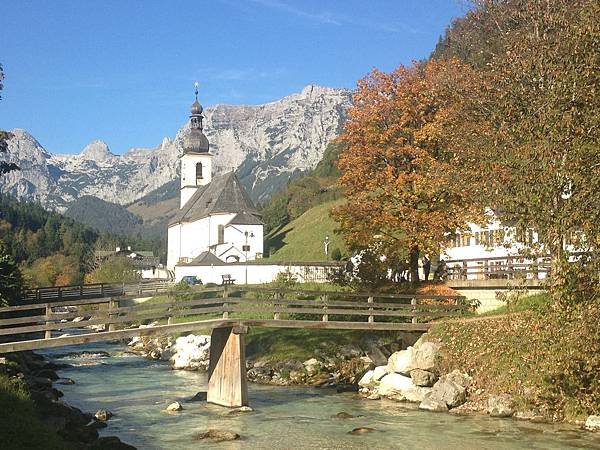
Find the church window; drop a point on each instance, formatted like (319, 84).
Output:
(221, 234)
(198, 171)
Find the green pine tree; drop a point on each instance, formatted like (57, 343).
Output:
(11, 280)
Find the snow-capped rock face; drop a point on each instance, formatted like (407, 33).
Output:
(266, 144)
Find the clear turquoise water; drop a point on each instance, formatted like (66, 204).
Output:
(137, 391)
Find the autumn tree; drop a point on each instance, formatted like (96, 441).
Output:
(115, 269)
(401, 179)
(533, 127)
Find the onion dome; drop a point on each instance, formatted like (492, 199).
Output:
(196, 141)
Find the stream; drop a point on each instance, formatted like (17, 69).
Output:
(137, 391)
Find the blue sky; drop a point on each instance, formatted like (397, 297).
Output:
(123, 70)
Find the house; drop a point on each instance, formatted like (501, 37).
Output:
(217, 221)
(495, 250)
(143, 261)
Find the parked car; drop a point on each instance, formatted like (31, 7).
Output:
(191, 280)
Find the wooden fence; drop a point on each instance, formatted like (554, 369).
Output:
(38, 325)
(96, 290)
(508, 268)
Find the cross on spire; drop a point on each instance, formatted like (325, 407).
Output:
(196, 84)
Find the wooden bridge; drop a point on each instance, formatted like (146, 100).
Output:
(93, 314)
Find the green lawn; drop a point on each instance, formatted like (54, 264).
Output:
(302, 239)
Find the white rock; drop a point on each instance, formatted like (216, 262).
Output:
(191, 352)
(367, 380)
(312, 366)
(593, 423)
(426, 356)
(402, 361)
(394, 384)
(175, 406)
(380, 371)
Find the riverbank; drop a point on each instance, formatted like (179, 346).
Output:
(508, 365)
(138, 391)
(33, 415)
(544, 360)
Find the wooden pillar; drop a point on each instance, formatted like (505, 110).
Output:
(227, 384)
(112, 304)
(371, 318)
(413, 301)
(48, 333)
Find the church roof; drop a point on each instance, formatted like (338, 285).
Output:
(244, 218)
(205, 259)
(224, 194)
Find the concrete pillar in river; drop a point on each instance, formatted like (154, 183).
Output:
(227, 384)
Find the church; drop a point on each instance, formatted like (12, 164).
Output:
(217, 222)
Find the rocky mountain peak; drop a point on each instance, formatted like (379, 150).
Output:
(266, 144)
(96, 151)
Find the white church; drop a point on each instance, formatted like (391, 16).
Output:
(217, 222)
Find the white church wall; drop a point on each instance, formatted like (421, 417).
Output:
(173, 247)
(236, 235)
(253, 273)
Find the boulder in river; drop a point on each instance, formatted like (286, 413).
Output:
(423, 355)
(422, 377)
(173, 407)
(500, 406)
(394, 384)
(362, 430)
(432, 404)
(217, 435)
(448, 392)
(103, 415)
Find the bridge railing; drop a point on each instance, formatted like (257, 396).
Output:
(94, 290)
(250, 306)
(498, 268)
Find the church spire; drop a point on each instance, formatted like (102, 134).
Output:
(196, 141)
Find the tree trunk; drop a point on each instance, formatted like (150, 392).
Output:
(414, 264)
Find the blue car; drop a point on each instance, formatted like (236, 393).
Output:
(191, 280)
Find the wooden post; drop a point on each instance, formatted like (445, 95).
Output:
(171, 306)
(324, 299)
(48, 333)
(111, 306)
(413, 301)
(227, 384)
(371, 318)
(225, 295)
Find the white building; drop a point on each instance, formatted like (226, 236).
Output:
(217, 221)
(496, 250)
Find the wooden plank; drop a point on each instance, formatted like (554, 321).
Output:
(348, 312)
(336, 325)
(351, 304)
(349, 294)
(35, 344)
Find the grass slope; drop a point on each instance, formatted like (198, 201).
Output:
(302, 239)
(20, 426)
(547, 359)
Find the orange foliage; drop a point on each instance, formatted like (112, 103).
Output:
(405, 183)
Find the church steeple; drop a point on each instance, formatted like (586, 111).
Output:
(196, 141)
(196, 161)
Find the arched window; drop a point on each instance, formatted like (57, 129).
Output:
(198, 172)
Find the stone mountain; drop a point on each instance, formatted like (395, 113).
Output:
(267, 145)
